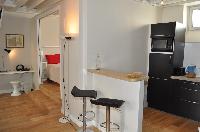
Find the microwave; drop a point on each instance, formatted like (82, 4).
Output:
(162, 44)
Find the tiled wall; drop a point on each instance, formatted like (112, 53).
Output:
(192, 54)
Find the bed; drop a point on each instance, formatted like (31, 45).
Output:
(53, 67)
(53, 72)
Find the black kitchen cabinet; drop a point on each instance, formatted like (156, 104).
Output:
(159, 93)
(178, 97)
(167, 53)
(166, 29)
(160, 65)
(186, 99)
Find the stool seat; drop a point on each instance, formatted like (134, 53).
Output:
(83, 93)
(108, 102)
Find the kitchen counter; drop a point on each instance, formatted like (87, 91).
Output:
(119, 75)
(197, 79)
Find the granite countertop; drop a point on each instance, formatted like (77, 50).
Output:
(197, 79)
(118, 75)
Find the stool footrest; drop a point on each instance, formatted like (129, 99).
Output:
(114, 126)
(88, 118)
(87, 130)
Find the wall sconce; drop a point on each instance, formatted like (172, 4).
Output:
(7, 50)
(68, 37)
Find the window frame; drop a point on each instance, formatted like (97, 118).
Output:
(191, 8)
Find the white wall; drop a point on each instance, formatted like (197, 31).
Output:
(119, 31)
(193, 36)
(16, 25)
(192, 54)
(179, 13)
(49, 34)
(173, 13)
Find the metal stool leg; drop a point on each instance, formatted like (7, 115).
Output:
(84, 114)
(107, 119)
(108, 125)
(84, 117)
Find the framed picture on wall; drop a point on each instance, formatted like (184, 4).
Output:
(14, 41)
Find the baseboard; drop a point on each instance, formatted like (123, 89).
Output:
(79, 123)
(5, 91)
(89, 123)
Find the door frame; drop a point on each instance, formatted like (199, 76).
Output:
(40, 16)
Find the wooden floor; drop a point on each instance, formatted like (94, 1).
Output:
(39, 111)
(157, 121)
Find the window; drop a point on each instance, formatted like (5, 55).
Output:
(194, 17)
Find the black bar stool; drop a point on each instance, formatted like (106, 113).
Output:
(115, 103)
(84, 94)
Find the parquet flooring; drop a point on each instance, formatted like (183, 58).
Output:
(157, 121)
(37, 111)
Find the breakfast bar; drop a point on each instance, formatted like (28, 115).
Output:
(123, 86)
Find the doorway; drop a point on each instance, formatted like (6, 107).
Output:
(49, 45)
(57, 47)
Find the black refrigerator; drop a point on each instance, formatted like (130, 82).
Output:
(167, 53)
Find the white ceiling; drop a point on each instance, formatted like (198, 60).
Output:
(166, 2)
(26, 6)
(36, 6)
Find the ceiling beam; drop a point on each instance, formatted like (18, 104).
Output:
(179, 2)
(7, 3)
(47, 5)
(35, 3)
(166, 2)
(21, 3)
